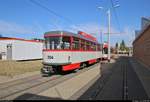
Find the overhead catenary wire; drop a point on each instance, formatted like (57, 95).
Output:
(116, 16)
(49, 10)
(54, 13)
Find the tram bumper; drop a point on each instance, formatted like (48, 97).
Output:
(47, 70)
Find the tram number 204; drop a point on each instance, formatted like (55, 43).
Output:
(50, 57)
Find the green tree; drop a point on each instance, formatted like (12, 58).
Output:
(122, 46)
(116, 45)
(116, 48)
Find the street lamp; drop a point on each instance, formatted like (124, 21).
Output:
(108, 34)
(109, 17)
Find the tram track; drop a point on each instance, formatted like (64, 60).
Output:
(121, 65)
(18, 81)
(12, 91)
(120, 83)
(102, 81)
(21, 87)
(125, 85)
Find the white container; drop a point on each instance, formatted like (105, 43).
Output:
(20, 49)
(24, 50)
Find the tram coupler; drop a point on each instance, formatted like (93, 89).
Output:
(108, 60)
(47, 71)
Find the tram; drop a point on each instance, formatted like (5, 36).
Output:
(67, 51)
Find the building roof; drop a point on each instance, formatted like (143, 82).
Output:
(142, 32)
(20, 39)
(137, 32)
(145, 22)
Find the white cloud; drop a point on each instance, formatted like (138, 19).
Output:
(13, 28)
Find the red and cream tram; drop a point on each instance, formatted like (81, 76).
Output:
(105, 51)
(66, 51)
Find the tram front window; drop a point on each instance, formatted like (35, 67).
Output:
(105, 50)
(57, 43)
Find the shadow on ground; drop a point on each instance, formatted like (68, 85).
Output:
(111, 84)
(29, 96)
(93, 91)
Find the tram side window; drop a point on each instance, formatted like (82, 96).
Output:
(99, 47)
(94, 47)
(75, 44)
(83, 45)
(87, 46)
(66, 43)
(91, 46)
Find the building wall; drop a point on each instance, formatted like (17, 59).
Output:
(21, 50)
(141, 47)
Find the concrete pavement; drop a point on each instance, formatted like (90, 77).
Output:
(143, 73)
(68, 88)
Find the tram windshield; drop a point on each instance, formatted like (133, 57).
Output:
(55, 43)
(105, 50)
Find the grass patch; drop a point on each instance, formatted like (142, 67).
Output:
(12, 68)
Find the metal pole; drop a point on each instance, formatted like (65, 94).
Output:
(101, 45)
(61, 42)
(109, 35)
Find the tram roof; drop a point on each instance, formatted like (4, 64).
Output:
(66, 33)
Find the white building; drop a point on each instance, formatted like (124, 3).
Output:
(20, 49)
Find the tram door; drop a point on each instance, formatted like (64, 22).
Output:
(9, 52)
(105, 52)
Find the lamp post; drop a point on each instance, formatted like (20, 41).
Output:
(101, 44)
(108, 12)
(109, 30)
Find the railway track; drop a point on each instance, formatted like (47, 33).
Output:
(125, 85)
(22, 86)
(18, 81)
(121, 84)
(102, 83)
(103, 80)
(35, 84)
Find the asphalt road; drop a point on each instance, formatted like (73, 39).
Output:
(119, 81)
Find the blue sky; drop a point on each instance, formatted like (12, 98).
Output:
(24, 19)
